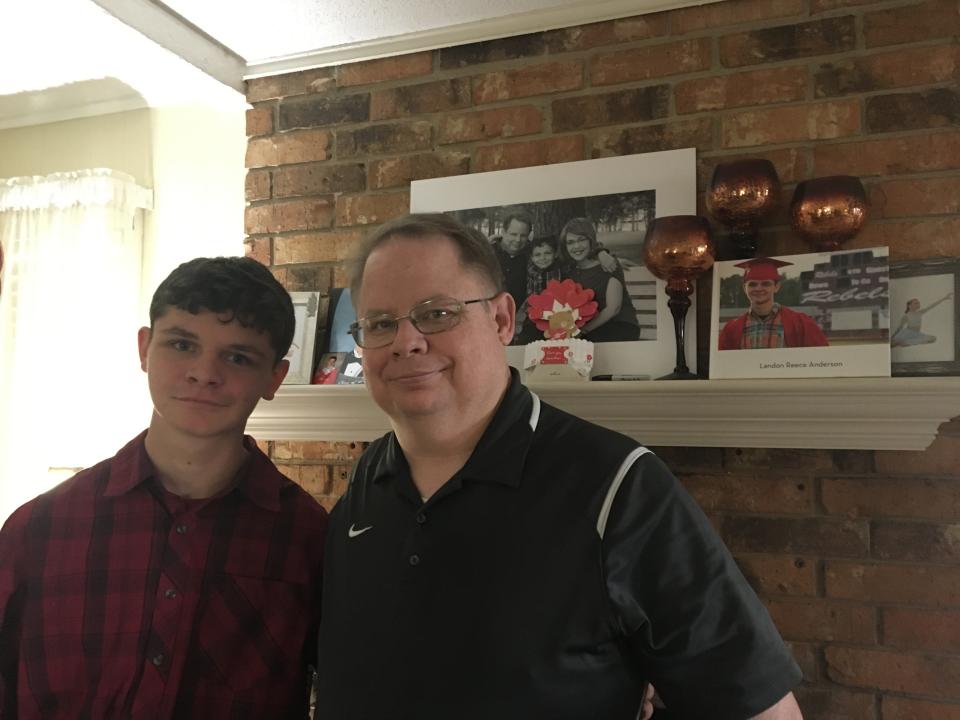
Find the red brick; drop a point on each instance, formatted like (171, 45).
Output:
(901, 708)
(332, 246)
(807, 657)
(385, 138)
(319, 110)
(341, 276)
(523, 82)
(260, 249)
(734, 12)
(488, 124)
(844, 538)
(780, 574)
(318, 179)
(941, 457)
(911, 240)
(759, 87)
(889, 70)
(611, 32)
(935, 108)
(315, 479)
(633, 105)
(293, 215)
(919, 22)
(922, 196)
(935, 585)
(916, 541)
(400, 171)
(751, 493)
(819, 621)
(897, 672)
(431, 97)
(385, 69)
(295, 147)
(789, 42)
(299, 83)
(650, 138)
(260, 120)
(879, 497)
(371, 209)
(562, 148)
(890, 156)
(915, 629)
(834, 703)
(309, 278)
(339, 452)
(340, 479)
(797, 123)
(648, 62)
(749, 459)
(257, 186)
(508, 48)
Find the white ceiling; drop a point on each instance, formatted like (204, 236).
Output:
(146, 53)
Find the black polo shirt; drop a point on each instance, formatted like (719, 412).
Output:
(555, 574)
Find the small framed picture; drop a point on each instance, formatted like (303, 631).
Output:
(925, 317)
(300, 355)
(337, 341)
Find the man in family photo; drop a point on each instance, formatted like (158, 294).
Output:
(181, 577)
(768, 324)
(495, 557)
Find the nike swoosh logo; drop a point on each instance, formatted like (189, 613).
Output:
(354, 530)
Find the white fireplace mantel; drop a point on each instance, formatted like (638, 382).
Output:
(838, 413)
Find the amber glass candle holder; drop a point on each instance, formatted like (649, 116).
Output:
(678, 249)
(828, 211)
(741, 194)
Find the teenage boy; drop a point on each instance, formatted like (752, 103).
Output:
(180, 578)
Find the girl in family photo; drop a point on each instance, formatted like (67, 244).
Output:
(908, 331)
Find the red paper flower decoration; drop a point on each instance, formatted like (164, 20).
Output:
(562, 309)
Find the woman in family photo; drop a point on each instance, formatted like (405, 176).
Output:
(616, 319)
(908, 331)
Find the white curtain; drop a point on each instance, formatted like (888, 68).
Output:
(71, 391)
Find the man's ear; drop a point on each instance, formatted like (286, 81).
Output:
(279, 373)
(505, 315)
(144, 335)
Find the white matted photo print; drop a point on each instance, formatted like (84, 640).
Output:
(534, 217)
(813, 315)
(300, 355)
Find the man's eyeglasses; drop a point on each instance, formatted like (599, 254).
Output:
(428, 317)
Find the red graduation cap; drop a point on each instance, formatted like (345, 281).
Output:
(762, 268)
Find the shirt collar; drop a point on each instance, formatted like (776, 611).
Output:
(257, 478)
(500, 454)
(774, 311)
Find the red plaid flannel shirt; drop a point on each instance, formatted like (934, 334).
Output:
(119, 600)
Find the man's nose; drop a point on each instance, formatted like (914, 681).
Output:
(408, 339)
(205, 369)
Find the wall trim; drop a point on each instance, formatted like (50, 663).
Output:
(831, 413)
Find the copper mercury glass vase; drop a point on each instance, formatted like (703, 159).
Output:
(741, 194)
(828, 211)
(678, 249)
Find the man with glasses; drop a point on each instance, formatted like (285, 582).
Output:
(768, 324)
(495, 557)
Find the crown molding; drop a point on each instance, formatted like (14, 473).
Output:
(831, 413)
(580, 13)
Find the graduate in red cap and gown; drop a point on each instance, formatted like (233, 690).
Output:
(767, 324)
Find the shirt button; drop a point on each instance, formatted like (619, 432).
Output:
(170, 594)
(157, 659)
(181, 529)
(421, 518)
(414, 559)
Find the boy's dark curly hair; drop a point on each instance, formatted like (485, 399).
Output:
(239, 287)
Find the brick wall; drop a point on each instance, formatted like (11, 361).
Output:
(856, 553)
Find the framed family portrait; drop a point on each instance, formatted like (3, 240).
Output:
(339, 362)
(925, 317)
(812, 315)
(583, 221)
(300, 355)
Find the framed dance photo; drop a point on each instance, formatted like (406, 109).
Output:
(821, 314)
(925, 317)
(583, 221)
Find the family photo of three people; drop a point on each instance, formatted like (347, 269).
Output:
(595, 241)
